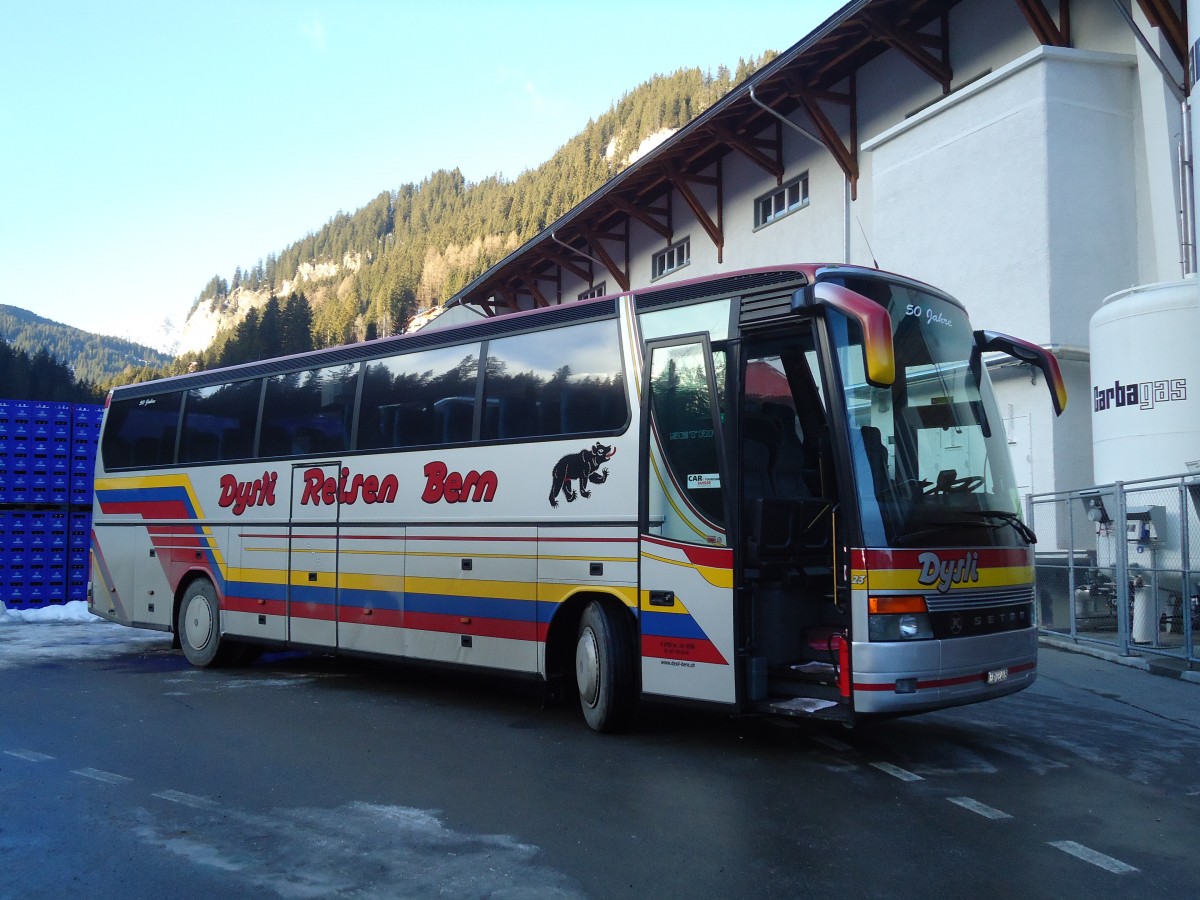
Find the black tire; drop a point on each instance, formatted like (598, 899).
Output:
(199, 625)
(605, 670)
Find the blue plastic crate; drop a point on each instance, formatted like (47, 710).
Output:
(18, 488)
(80, 536)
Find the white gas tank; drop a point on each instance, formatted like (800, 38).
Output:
(1145, 366)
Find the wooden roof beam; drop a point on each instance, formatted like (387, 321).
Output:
(1162, 15)
(749, 147)
(562, 260)
(644, 215)
(683, 184)
(913, 45)
(620, 276)
(1045, 29)
(846, 156)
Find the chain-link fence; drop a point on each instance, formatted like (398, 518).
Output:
(1119, 564)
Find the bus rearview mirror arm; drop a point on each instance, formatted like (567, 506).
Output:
(1038, 357)
(879, 359)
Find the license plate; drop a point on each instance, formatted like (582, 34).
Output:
(997, 675)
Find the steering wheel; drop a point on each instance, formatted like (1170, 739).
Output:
(948, 482)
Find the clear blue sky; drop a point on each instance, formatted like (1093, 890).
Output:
(145, 147)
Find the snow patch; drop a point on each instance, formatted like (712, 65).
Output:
(67, 631)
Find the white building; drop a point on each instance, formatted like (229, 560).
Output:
(1021, 154)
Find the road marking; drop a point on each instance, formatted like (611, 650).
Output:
(186, 799)
(100, 775)
(983, 809)
(1094, 857)
(833, 744)
(29, 755)
(897, 772)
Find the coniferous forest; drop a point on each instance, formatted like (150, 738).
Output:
(365, 274)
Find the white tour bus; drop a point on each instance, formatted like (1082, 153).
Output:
(783, 491)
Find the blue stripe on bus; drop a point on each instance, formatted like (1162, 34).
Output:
(484, 607)
(671, 625)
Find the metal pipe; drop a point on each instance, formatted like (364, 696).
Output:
(554, 237)
(1187, 191)
(816, 140)
(1187, 209)
(1176, 89)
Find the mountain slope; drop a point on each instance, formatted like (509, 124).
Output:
(368, 273)
(92, 357)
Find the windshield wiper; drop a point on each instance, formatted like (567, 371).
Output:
(1008, 518)
(1026, 533)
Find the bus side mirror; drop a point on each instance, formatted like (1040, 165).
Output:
(879, 359)
(986, 341)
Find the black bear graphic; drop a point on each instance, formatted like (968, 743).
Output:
(582, 466)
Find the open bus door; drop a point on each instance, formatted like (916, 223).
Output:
(686, 563)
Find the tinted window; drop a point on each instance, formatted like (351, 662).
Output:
(567, 381)
(308, 412)
(419, 398)
(219, 422)
(141, 432)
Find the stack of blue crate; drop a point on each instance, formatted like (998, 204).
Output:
(47, 457)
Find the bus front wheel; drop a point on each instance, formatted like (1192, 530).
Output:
(199, 624)
(604, 668)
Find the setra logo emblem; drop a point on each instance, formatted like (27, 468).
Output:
(941, 574)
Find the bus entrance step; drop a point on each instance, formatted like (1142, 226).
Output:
(796, 705)
(812, 671)
(806, 708)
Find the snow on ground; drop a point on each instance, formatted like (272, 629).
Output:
(67, 631)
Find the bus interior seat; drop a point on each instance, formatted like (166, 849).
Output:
(549, 417)
(235, 443)
(518, 417)
(455, 420)
(201, 446)
(491, 418)
(145, 451)
(274, 441)
(760, 451)
(578, 411)
(877, 457)
(166, 446)
(792, 477)
(306, 440)
(412, 426)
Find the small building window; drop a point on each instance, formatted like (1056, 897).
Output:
(676, 256)
(598, 290)
(782, 201)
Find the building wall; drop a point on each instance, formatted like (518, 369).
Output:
(1041, 185)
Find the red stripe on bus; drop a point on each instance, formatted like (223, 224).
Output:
(712, 557)
(254, 605)
(911, 559)
(450, 624)
(685, 650)
(943, 682)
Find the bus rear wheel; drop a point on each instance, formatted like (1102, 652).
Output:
(604, 668)
(199, 624)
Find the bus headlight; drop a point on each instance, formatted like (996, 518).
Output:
(903, 618)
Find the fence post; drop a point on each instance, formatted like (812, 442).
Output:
(1185, 573)
(1121, 575)
(1071, 566)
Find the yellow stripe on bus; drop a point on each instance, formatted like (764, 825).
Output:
(132, 482)
(560, 593)
(907, 579)
(460, 587)
(722, 578)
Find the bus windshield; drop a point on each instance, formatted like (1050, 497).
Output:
(931, 462)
